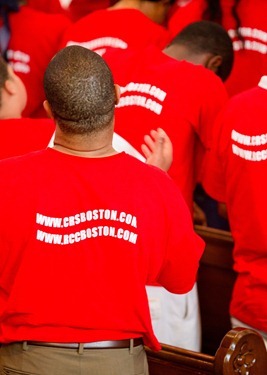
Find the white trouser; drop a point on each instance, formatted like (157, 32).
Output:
(175, 317)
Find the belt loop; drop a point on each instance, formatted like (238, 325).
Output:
(25, 346)
(80, 350)
(131, 346)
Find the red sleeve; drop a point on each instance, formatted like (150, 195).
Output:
(209, 96)
(214, 177)
(183, 248)
(213, 97)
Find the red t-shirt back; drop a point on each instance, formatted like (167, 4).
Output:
(118, 28)
(182, 98)
(236, 174)
(91, 233)
(35, 38)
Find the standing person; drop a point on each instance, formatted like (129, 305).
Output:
(90, 247)
(207, 43)
(235, 175)
(126, 24)
(19, 135)
(30, 47)
(245, 21)
(184, 99)
(248, 31)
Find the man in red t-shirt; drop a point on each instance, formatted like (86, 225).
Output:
(34, 39)
(249, 35)
(245, 21)
(122, 26)
(91, 227)
(236, 175)
(183, 99)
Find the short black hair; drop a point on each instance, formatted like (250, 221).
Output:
(80, 90)
(207, 36)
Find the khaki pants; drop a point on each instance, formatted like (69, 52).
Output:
(19, 359)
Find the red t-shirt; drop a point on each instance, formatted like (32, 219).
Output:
(182, 98)
(236, 174)
(48, 6)
(76, 9)
(79, 240)
(118, 28)
(185, 12)
(35, 38)
(80, 8)
(23, 135)
(251, 53)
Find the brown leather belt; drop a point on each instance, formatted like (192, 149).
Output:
(91, 345)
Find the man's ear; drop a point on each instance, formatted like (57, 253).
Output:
(47, 108)
(214, 63)
(10, 86)
(117, 93)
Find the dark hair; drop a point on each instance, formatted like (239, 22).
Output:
(208, 37)
(80, 90)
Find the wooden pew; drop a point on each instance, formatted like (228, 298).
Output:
(241, 352)
(216, 278)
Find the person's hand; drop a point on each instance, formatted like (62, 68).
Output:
(158, 149)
